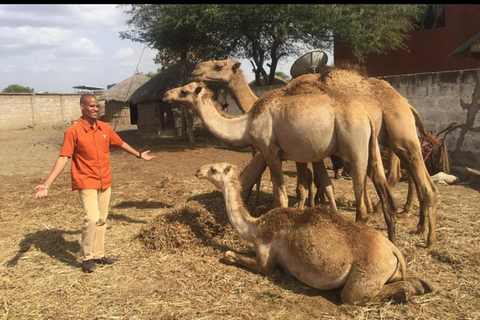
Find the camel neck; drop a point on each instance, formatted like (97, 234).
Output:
(244, 224)
(241, 92)
(232, 131)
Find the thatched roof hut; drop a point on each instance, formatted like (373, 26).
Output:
(124, 90)
(154, 115)
(118, 109)
(154, 89)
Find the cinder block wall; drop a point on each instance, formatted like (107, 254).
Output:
(443, 99)
(22, 110)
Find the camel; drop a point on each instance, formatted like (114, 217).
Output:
(316, 246)
(302, 128)
(395, 121)
(394, 117)
(229, 72)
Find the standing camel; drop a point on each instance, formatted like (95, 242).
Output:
(319, 248)
(394, 118)
(301, 128)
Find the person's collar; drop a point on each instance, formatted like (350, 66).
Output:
(87, 126)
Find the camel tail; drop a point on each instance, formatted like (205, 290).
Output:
(418, 121)
(401, 261)
(380, 184)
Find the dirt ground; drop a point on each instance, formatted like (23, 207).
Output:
(169, 230)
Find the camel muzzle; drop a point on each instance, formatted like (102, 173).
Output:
(199, 175)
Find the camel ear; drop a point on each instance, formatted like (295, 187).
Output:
(227, 169)
(236, 66)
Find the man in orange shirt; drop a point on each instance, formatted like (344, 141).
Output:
(87, 143)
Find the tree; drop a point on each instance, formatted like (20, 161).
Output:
(266, 33)
(15, 88)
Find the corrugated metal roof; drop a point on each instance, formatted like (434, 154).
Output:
(462, 50)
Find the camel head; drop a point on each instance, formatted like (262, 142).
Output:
(222, 71)
(217, 173)
(187, 94)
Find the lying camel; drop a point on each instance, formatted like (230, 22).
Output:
(302, 128)
(228, 72)
(319, 248)
(394, 117)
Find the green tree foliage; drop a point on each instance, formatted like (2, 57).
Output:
(266, 33)
(15, 88)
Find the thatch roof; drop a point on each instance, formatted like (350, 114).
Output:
(155, 88)
(123, 91)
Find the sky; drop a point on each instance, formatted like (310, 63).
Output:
(53, 48)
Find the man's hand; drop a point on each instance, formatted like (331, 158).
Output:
(42, 191)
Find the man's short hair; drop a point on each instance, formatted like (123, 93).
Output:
(83, 97)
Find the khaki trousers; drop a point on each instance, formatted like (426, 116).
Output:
(95, 207)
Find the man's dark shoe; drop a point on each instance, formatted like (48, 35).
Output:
(88, 266)
(104, 260)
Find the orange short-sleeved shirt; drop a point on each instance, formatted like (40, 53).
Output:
(89, 150)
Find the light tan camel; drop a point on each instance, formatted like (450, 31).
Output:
(229, 73)
(302, 128)
(319, 248)
(395, 120)
(394, 117)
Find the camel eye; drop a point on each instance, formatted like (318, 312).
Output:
(183, 93)
(213, 170)
(218, 67)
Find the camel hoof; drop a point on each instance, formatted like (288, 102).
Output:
(425, 247)
(430, 247)
(229, 257)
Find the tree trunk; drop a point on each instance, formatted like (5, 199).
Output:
(187, 122)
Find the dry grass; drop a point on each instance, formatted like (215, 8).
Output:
(169, 230)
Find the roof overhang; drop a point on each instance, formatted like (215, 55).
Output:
(471, 48)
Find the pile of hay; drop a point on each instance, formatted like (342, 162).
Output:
(189, 226)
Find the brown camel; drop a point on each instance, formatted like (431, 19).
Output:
(394, 117)
(302, 128)
(319, 248)
(229, 72)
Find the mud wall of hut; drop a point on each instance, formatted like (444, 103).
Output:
(117, 112)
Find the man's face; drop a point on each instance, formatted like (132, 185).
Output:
(90, 108)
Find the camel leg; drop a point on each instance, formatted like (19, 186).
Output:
(408, 203)
(258, 182)
(426, 189)
(404, 141)
(311, 200)
(358, 174)
(368, 200)
(251, 174)
(393, 174)
(320, 194)
(302, 184)
(274, 163)
(377, 174)
(263, 262)
(325, 185)
(401, 291)
(393, 177)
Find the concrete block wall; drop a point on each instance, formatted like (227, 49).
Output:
(22, 110)
(443, 99)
